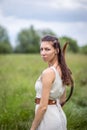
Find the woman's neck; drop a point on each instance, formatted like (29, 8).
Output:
(55, 64)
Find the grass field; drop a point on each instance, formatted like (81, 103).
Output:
(18, 74)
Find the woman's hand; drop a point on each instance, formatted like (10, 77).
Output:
(32, 129)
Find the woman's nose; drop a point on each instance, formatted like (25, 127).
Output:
(43, 52)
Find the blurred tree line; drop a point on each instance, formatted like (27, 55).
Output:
(28, 41)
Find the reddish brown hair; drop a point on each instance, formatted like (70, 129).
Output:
(66, 73)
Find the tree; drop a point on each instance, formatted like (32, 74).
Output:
(83, 49)
(46, 32)
(28, 41)
(5, 46)
(73, 47)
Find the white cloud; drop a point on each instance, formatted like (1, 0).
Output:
(72, 4)
(67, 4)
(78, 31)
(67, 17)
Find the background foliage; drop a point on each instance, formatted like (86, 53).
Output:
(28, 41)
(5, 46)
(18, 74)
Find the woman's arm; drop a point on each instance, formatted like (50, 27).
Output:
(47, 79)
(63, 98)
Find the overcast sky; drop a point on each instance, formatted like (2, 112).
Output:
(63, 17)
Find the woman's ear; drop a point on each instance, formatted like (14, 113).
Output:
(57, 50)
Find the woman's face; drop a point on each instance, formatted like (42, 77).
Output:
(47, 51)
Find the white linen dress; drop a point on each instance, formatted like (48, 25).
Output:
(54, 117)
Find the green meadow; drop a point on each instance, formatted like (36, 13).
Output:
(18, 73)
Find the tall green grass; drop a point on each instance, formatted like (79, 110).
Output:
(18, 74)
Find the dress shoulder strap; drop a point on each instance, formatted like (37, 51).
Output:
(57, 76)
(54, 69)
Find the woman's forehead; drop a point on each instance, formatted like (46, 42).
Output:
(46, 43)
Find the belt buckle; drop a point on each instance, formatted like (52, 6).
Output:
(53, 101)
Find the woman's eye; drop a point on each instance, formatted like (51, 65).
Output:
(47, 49)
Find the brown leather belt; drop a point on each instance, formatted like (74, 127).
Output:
(50, 102)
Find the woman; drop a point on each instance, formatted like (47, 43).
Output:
(51, 87)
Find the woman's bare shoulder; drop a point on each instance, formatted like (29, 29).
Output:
(48, 73)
